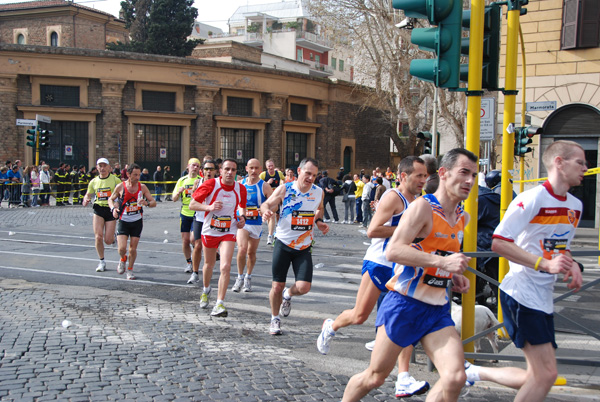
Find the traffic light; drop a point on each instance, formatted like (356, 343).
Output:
(443, 39)
(45, 138)
(523, 137)
(492, 24)
(31, 138)
(427, 137)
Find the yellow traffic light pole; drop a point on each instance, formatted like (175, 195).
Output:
(474, 93)
(508, 138)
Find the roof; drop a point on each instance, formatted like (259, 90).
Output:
(28, 5)
(281, 10)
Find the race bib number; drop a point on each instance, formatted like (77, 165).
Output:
(251, 213)
(553, 247)
(436, 277)
(103, 194)
(188, 191)
(132, 209)
(221, 223)
(302, 220)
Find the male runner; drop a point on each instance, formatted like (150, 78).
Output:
(184, 188)
(416, 308)
(248, 238)
(274, 178)
(208, 169)
(535, 235)
(102, 186)
(377, 270)
(302, 209)
(130, 197)
(223, 196)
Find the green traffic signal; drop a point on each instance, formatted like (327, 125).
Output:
(427, 137)
(31, 138)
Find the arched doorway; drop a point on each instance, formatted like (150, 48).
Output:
(579, 123)
(347, 159)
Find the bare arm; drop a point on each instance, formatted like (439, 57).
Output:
(271, 204)
(387, 207)
(177, 194)
(111, 201)
(322, 226)
(267, 190)
(150, 201)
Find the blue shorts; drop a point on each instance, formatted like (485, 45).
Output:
(379, 274)
(524, 324)
(407, 320)
(186, 223)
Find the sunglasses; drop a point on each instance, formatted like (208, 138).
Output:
(209, 168)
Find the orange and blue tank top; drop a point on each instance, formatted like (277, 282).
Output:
(429, 284)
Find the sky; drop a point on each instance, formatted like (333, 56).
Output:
(211, 12)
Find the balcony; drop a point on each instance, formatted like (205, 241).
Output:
(318, 69)
(315, 42)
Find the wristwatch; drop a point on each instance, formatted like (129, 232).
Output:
(318, 220)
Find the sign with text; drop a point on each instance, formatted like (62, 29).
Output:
(43, 119)
(26, 122)
(541, 106)
(487, 124)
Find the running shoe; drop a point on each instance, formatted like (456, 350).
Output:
(370, 345)
(121, 268)
(219, 310)
(286, 306)
(204, 299)
(269, 240)
(130, 275)
(247, 285)
(188, 268)
(275, 327)
(407, 386)
(327, 333)
(101, 267)
(469, 370)
(238, 284)
(194, 278)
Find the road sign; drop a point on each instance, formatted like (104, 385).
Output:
(484, 161)
(43, 119)
(68, 150)
(488, 120)
(26, 122)
(163, 153)
(541, 106)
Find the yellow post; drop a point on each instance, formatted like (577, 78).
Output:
(510, 87)
(473, 129)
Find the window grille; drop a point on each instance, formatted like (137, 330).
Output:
(239, 106)
(238, 144)
(59, 95)
(296, 146)
(158, 101)
(299, 112)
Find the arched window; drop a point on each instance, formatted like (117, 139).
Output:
(21, 39)
(54, 39)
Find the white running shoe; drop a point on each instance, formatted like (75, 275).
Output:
(269, 240)
(325, 337)
(130, 275)
(238, 284)
(407, 386)
(194, 278)
(219, 310)
(188, 268)
(471, 375)
(101, 267)
(247, 285)
(370, 345)
(286, 305)
(121, 268)
(275, 328)
(204, 299)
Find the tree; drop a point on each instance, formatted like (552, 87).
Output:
(159, 27)
(382, 55)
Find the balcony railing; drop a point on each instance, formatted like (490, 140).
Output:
(318, 66)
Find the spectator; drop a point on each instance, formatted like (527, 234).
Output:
(35, 185)
(3, 180)
(145, 176)
(158, 186)
(340, 175)
(366, 200)
(329, 188)
(379, 190)
(45, 183)
(289, 175)
(26, 187)
(358, 196)
(349, 199)
(167, 177)
(14, 180)
(124, 176)
(433, 180)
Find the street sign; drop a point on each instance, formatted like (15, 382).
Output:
(484, 161)
(487, 123)
(163, 153)
(43, 119)
(541, 106)
(26, 122)
(68, 150)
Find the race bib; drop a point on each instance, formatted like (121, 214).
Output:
(132, 209)
(220, 223)
(103, 194)
(251, 213)
(553, 247)
(436, 277)
(302, 220)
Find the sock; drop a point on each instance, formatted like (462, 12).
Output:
(403, 375)
(248, 276)
(473, 373)
(286, 294)
(124, 259)
(101, 259)
(206, 290)
(219, 301)
(240, 276)
(189, 260)
(275, 317)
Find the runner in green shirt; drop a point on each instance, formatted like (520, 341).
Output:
(184, 189)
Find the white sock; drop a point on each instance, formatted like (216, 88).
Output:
(286, 294)
(275, 317)
(240, 276)
(206, 290)
(473, 373)
(248, 276)
(219, 301)
(403, 375)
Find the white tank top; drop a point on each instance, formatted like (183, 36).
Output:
(222, 222)
(295, 227)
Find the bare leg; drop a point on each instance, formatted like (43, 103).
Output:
(122, 243)
(252, 247)
(275, 296)
(366, 298)
(210, 257)
(299, 288)
(133, 243)
(197, 255)
(242, 243)
(109, 232)
(226, 256)
(98, 224)
(185, 245)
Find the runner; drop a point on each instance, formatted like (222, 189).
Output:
(302, 209)
(248, 238)
(377, 270)
(130, 197)
(208, 169)
(275, 178)
(223, 196)
(535, 236)
(103, 221)
(417, 307)
(184, 188)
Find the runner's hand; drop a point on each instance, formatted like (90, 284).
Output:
(267, 215)
(217, 206)
(455, 263)
(460, 283)
(559, 265)
(576, 279)
(241, 222)
(323, 227)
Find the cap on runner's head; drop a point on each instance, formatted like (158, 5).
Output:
(102, 160)
(342, 168)
(194, 160)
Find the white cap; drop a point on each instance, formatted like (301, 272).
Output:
(102, 160)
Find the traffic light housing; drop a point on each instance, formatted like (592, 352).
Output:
(32, 137)
(443, 39)
(45, 138)
(427, 137)
(523, 137)
(492, 24)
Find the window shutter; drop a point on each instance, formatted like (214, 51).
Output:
(568, 38)
(589, 28)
